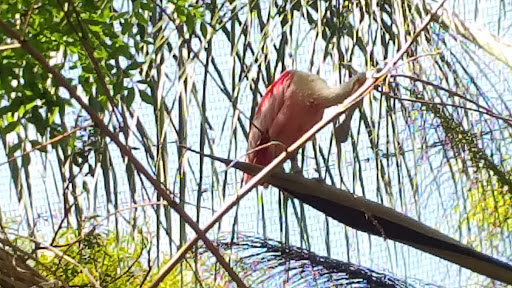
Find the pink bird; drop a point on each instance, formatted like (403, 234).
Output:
(292, 105)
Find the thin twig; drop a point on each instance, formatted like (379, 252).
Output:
(84, 39)
(244, 191)
(9, 46)
(25, 27)
(51, 141)
(505, 119)
(416, 57)
(162, 192)
(67, 258)
(452, 93)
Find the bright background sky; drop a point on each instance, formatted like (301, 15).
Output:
(345, 243)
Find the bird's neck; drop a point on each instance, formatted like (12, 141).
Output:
(336, 95)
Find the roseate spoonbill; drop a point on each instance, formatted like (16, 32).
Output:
(292, 105)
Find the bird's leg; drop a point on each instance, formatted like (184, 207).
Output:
(295, 165)
(297, 170)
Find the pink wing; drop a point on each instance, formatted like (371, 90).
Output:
(267, 112)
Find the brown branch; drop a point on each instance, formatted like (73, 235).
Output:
(68, 259)
(84, 39)
(484, 110)
(427, 102)
(162, 192)
(374, 218)
(51, 141)
(244, 191)
(9, 46)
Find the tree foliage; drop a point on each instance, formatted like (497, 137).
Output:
(435, 134)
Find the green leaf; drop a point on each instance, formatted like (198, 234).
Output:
(141, 18)
(96, 105)
(36, 143)
(121, 49)
(141, 29)
(204, 29)
(191, 23)
(4, 110)
(25, 160)
(145, 82)
(134, 65)
(13, 149)
(118, 87)
(15, 104)
(130, 97)
(38, 121)
(11, 126)
(146, 97)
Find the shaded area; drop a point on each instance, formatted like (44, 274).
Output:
(379, 220)
(293, 266)
(14, 270)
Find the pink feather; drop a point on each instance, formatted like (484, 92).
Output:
(292, 105)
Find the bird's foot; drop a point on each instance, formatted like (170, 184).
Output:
(318, 179)
(296, 168)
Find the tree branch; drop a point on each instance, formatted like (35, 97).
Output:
(163, 192)
(372, 80)
(374, 218)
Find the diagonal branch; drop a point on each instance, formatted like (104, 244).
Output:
(164, 193)
(481, 109)
(372, 80)
(47, 143)
(376, 219)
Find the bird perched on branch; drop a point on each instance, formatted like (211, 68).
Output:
(292, 105)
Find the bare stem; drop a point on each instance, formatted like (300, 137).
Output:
(244, 191)
(163, 192)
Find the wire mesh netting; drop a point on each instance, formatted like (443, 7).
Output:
(430, 195)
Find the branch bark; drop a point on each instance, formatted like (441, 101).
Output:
(374, 218)
(372, 80)
(163, 192)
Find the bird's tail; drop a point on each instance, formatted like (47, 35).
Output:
(247, 178)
